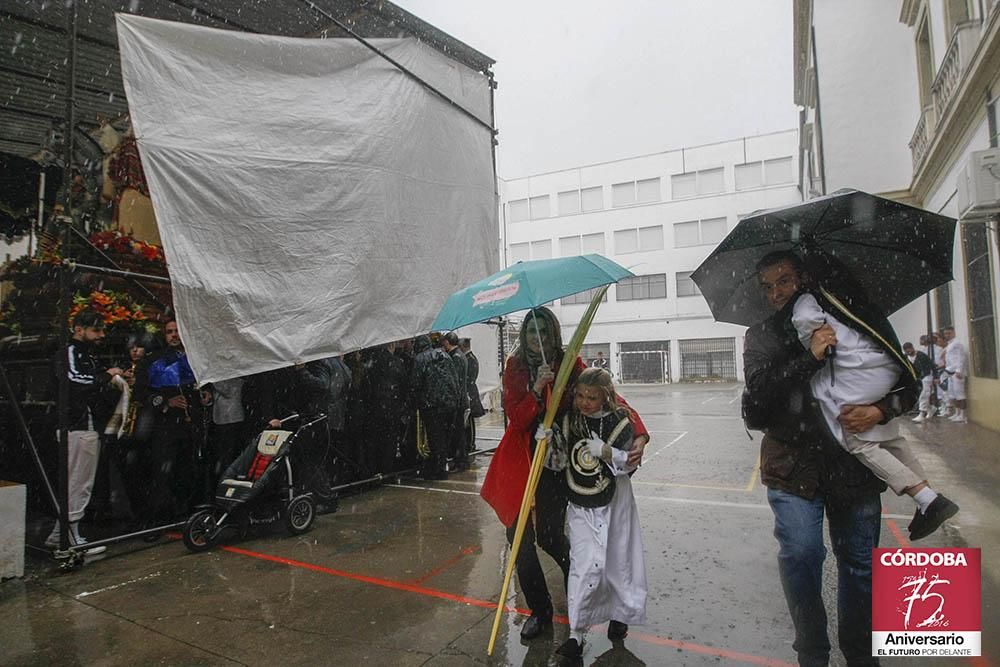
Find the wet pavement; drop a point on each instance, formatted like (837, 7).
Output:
(408, 574)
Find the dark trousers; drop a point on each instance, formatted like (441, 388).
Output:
(550, 535)
(175, 476)
(438, 425)
(228, 442)
(458, 448)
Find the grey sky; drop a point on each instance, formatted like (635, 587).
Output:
(588, 81)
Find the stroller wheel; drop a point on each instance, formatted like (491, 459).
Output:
(299, 515)
(200, 531)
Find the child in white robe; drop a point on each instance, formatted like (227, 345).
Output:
(861, 372)
(607, 574)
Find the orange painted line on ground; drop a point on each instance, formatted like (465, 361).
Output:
(485, 604)
(467, 551)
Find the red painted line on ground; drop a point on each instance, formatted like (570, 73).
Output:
(896, 532)
(445, 565)
(377, 581)
(485, 604)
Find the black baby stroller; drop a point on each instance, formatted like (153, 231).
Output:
(259, 487)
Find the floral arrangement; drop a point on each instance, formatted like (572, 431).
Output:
(116, 241)
(117, 308)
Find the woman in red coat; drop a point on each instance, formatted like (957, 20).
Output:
(529, 371)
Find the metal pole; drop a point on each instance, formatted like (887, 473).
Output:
(22, 424)
(90, 268)
(930, 352)
(41, 209)
(64, 298)
(333, 19)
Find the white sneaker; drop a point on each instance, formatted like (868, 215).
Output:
(920, 418)
(79, 540)
(92, 551)
(959, 418)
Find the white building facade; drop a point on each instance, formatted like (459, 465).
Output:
(900, 99)
(658, 215)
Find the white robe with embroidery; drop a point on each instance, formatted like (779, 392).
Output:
(607, 573)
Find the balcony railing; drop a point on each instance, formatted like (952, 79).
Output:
(922, 135)
(956, 60)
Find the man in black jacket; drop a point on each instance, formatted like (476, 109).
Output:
(925, 371)
(807, 472)
(88, 410)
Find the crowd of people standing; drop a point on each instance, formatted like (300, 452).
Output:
(148, 442)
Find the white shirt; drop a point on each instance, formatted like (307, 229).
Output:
(860, 373)
(955, 357)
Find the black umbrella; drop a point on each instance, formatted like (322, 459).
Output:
(849, 241)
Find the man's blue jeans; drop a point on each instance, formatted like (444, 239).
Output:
(854, 532)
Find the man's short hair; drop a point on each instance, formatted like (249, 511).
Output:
(452, 338)
(88, 317)
(779, 256)
(948, 328)
(907, 344)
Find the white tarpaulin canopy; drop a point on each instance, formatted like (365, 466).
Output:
(312, 199)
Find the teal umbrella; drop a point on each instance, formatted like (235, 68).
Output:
(526, 285)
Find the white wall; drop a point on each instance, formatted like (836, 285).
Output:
(867, 80)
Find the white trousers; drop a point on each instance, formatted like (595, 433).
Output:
(84, 450)
(926, 388)
(892, 461)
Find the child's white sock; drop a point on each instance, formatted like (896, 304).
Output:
(577, 635)
(924, 498)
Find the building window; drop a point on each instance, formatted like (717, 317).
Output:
(639, 240)
(518, 210)
(749, 176)
(648, 190)
(925, 61)
(778, 171)
(708, 359)
(592, 244)
(623, 194)
(569, 202)
(592, 198)
(646, 362)
(588, 244)
(943, 303)
(626, 241)
(539, 207)
(699, 232)
(684, 185)
(569, 246)
(702, 182)
(767, 172)
(979, 282)
(991, 120)
(582, 297)
(541, 249)
(642, 287)
(519, 252)
(686, 286)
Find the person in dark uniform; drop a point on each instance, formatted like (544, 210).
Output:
(458, 449)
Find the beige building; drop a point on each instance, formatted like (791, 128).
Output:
(900, 99)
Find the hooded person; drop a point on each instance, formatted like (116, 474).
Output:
(528, 374)
(434, 391)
